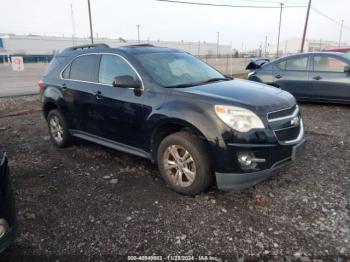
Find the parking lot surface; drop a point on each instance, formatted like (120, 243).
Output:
(14, 83)
(89, 200)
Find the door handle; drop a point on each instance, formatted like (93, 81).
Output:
(98, 95)
(278, 76)
(317, 78)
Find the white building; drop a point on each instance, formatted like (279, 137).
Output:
(293, 45)
(48, 45)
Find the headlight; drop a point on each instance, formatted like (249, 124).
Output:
(238, 118)
(251, 74)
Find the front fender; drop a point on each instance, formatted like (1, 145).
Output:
(199, 116)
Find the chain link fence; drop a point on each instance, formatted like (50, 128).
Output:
(226, 64)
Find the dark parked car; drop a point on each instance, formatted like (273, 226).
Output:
(8, 222)
(319, 76)
(168, 106)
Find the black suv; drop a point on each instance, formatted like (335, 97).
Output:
(168, 106)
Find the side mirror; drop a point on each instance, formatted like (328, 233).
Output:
(126, 82)
(347, 69)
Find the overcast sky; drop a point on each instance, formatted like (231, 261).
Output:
(245, 27)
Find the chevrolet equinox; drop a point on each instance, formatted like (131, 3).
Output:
(168, 106)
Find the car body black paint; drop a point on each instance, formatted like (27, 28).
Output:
(7, 203)
(129, 119)
(310, 84)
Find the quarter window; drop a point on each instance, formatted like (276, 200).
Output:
(328, 64)
(66, 72)
(84, 68)
(112, 66)
(297, 64)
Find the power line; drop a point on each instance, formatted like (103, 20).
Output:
(330, 18)
(225, 5)
(272, 2)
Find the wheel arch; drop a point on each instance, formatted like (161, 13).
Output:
(169, 127)
(48, 106)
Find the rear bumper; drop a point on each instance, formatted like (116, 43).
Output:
(227, 181)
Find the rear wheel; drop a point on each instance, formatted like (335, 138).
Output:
(58, 129)
(184, 163)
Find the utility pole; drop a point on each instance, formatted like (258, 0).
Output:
(91, 33)
(231, 64)
(305, 27)
(341, 32)
(279, 30)
(217, 44)
(73, 24)
(199, 48)
(138, 33)
(265, 46)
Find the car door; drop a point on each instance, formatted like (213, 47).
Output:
(328, 79)
(291, 74)
(120, 109)
(79, 80)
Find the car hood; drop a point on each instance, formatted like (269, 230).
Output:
(259, 97)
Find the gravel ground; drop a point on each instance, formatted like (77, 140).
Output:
(88, 201)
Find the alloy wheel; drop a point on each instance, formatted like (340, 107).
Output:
(179, 166)
(56, 129)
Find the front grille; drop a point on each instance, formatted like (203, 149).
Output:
(281, 113)
(288, 134)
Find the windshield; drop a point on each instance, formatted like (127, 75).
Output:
(177, 69)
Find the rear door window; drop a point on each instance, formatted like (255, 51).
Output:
(84, 68)
(328, 64)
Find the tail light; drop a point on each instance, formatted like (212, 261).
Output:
(41, 86)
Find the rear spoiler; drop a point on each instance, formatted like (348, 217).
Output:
(256, 63)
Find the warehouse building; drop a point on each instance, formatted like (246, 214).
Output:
(41, 48)
(292, 45)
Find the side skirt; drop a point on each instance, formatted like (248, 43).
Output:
(110, 143)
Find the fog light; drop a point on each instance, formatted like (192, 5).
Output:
(247, 160)
(3, 227)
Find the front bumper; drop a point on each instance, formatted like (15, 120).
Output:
(227, 181)
(6, 240)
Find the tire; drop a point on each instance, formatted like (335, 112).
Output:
(59, 134)
(192, 174)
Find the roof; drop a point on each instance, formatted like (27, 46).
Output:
(130, 49)
(314, 53)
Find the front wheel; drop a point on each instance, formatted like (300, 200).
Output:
(184, 163)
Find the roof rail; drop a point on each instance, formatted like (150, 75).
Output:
(139, 45)
(81, 47)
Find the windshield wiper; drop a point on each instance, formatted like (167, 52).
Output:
(210, 80)
(182, 85)
(216, 79)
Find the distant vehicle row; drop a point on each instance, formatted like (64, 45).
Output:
(319, 76)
